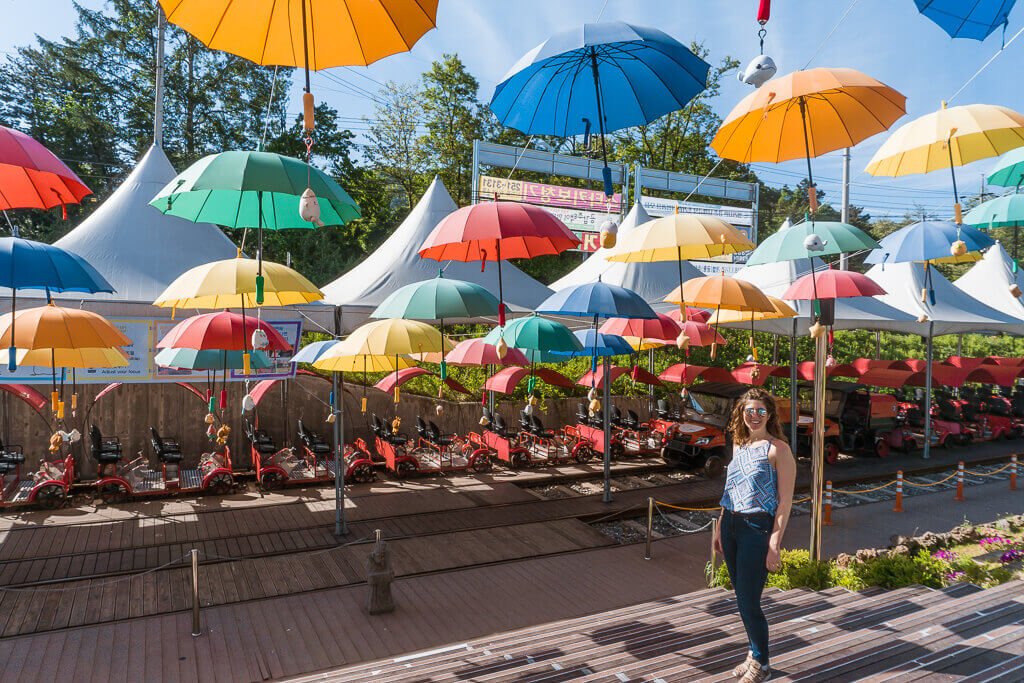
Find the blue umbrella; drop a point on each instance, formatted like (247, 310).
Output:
(930, 241)
(618, 74)
(597, 300)
(312, 351)
(974, 19)
(25, 264)
(602, 345)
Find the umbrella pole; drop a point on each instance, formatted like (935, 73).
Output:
(818, 445)
(501, 293)
(682, 299)
(650, 389)
(340, 525)
(812, 193)
(607, 430)
(606, 172)
(1016, 229)
(794, 392)
(928, 392)
(952, 173)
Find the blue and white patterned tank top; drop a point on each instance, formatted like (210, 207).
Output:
(752, 484)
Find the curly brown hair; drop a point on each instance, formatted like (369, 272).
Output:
(738, 428)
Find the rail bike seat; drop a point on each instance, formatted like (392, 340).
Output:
(664, 411)
(436, 437)
(421, 428)
(914, 417)
(313, 441)
(260, 440)
(537, 428)
(106, 450)
(616, 416)
(524, 421)
(947, 410)
(7, 467)
(581, 413)
(167, 450)
(499, 427)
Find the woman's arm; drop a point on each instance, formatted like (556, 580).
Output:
(785, 468)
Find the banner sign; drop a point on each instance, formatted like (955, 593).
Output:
(144, 334)
(739, 217)
(548, 195)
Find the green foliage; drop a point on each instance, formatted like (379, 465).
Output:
(718, 576)
(895, 570)
(798, 571)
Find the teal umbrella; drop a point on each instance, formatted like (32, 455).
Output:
(1002, 212)
(1009, 169)
(791, 244)
(438, 299)
(534, 333)
(209, 359)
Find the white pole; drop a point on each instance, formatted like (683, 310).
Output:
(158, 105)
(844, 260)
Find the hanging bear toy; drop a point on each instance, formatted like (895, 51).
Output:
(762, 68)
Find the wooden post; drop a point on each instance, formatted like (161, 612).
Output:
(959, 481)
(827, 521)
(899, 492)
(196, 628)
(650, 526)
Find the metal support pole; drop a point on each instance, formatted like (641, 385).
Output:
(844, 259)
(606, 363)
(650, 528)
(878, 344)
(650, 389)
(196, 628)
(928, 393)
(158, 104)
(818, 445)
(794, 392)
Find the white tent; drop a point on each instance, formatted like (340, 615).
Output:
(991, 280)
(954, 311)
(397, 263)
(867, 313)
(136, 247)
(652, 281)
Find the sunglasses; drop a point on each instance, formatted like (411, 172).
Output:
(760, 412)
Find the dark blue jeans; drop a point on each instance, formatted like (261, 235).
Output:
(745, 544)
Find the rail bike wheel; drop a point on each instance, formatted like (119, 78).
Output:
(113, 492)
(272, 481)
(221, 484)
(50, 497)
(363, 474)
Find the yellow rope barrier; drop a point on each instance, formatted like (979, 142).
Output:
(676, 507)
(934, 483)
(877, 488)
(989, 474)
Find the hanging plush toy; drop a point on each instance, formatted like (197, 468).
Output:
(309, 208)
(814, 243)
(484, 420)
(395, 424)
(609, 232)
(439, 410)
(958, 248)
(501, 348)
(209, 419)
(762, 68)
(222, 435)
(259, 339)
(248, 404)
(830, 361)
(683, 341)
(331, 418)
(211, 432)
(817, 330)
(595, 405)
(1015, 290)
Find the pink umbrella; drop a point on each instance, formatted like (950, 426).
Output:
(31, 177)
(698, 314)
(505, 381)
(832, 284)
(684, 373)
(661, 328)
(400, 377)
(477, 352)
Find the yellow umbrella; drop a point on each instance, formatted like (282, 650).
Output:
(111, 357)
(390, 337)
(805, 114)
(947, 138)
(314, 34)
(362, 363)
(231, 283)
(780, 310)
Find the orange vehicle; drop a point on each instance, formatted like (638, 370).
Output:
(696, 437)
(805, 430)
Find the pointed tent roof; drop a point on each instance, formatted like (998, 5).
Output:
(138, 249)
(652, 281)
(865, 313)
(991, 279)
(954, 311)
(397, 263)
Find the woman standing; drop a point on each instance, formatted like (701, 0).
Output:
(755, 509)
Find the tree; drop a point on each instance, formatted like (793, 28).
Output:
(453, 118)
(392, 148)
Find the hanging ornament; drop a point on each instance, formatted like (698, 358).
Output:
(248, 404)
(209, 419)
(501, 315)
(54, 400)
(594, 407)
(816, 330)
(501, 348)
(396, 394)
(684, 393)
(246, 363)
(396, 424)
(484, 420)
(714, 350)
(60, 410)
(528, 410)
(922, 318)
(609, 233)
(532, 400)
(830, 361)
(1015, 290)
(958, 248)
(750, 358)
(362, 405)
(259, 339)
(222, 435)
(74, 404)
(762, 68)
(439, 410)
(814, 243)
(331, 418)
(683, 341)
(755, 373)
(309, 208)
(211, 432)
(592, 394)
(223, 399)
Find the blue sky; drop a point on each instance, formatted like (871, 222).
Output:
(886, 39)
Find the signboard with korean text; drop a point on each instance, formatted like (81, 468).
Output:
(741, 218)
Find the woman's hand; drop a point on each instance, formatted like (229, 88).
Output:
(716, 539)
(772, 562)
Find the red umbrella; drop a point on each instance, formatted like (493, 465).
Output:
(477, 352)
(662, 328)
(832, 284)
(494, 231)
(505, 381)
(702, 334)
(698, 314)
(591, 379)
(223, 331)
(31, 177)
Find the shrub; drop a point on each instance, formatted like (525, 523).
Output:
(895, 571)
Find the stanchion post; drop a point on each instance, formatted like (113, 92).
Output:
(899, 492)
(959, 481)
(827, 520)
(650, 528)
(196, 629)
(714, 530)
(1013, 472)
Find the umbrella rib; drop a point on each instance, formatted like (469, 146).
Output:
(359, 43)
(266, 35)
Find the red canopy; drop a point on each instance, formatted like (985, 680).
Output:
(862, 365)
(261, 389)
(966, 361)
(745, 373)
(400, 377)
(1001, 360)
(222, 331)
(942, 375)
(505, 381)
(638, 374)
(495, 231)
(882, 377)
(188, 387)
(27, 394)
(1003, 375)
(684, 373)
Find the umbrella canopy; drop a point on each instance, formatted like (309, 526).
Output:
(597, 300)
(684, 373)
(832, 284)
(438, 299)
(634, 74)
(337, 32)
(661, 327)
(807, 113)
(698, 314)
(231, 283)
(477, 352)
(720, 291)
(493, 231)
(25, 264)
(253, 190)
(337, 359)
(789, 244)
(702, 334)
(43, 357)
(1002, 212)
(598, 344)
(505, 380)
(780, 310)
(32, 177)
(975, 20)
(224, 330)
(596, 379)
(534, 333)
(930, 241)
(389, 337)
(949, 137)
(312, 351)
(400, 377)
(210, 359)
(53, 327)
(679, 237)
(1009, 169)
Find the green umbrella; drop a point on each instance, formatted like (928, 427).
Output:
(1009, 170)
(210, 359)
(438, 299)
(1002, 212)
(788, 244)
(534, 333)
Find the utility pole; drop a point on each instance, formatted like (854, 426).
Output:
(158, 106)
(844, 260)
